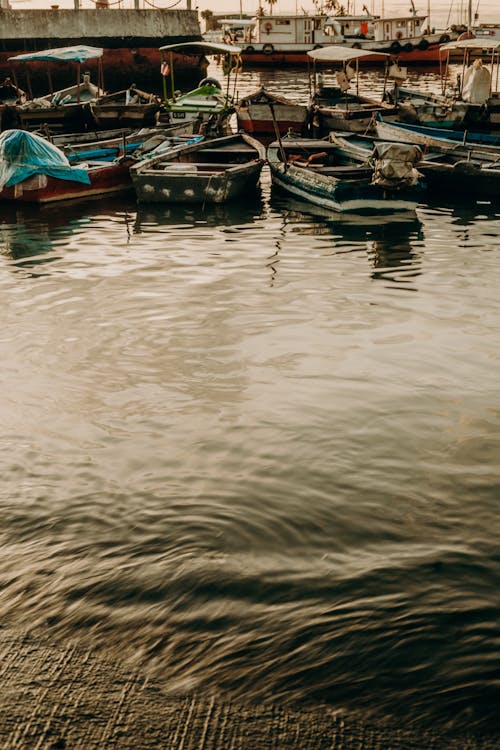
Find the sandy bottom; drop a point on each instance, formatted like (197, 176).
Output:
(62, 695)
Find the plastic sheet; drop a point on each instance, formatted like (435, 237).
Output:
(24, 154)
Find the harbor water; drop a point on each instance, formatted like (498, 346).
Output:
(255, 448)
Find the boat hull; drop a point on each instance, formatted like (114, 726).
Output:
(257, 119)
(41, 189)
(199, 188)
(357, 196)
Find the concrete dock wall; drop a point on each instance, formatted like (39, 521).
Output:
(42, 29)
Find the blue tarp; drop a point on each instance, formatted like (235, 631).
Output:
(81, 53)
(23, 155)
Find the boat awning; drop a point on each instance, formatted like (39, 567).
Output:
(62, 54)
(338, 53)
(202, 48)
(477, 44)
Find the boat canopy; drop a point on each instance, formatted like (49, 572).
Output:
(62, 54)
(339, 53)
(475, 44)
(202, 48)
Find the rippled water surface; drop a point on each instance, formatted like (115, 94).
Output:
(257, 448)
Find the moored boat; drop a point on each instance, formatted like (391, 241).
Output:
(213, 171)
(421, 135)
(68, 107)
(462, 171)
(261, 112)
(130, 107)
(210, 103)
(336, 107)
(285, 39)
(311, 169)
(33, 170)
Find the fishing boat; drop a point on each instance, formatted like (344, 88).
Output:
(285, 39)
(33, 170)
(261, 112)
(335, 107)
(213, 171)
(477, 84)
(401, 132)
(130, 107)
(461, 171)
(211, 103)
(68, 107)
(312, 170)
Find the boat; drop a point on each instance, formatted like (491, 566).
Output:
(261, 112)
(129, 107)
(285, 39)
(66, 108)
(401, 132)
(312, 170)
(33, 170)
(213, 171)
(477, 84)
(210, 103)
(461, 171)
(335, 107)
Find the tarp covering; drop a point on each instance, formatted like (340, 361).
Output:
(338, 53)
(23, 155)
(477, 83)
(394, 164)
(81, 53)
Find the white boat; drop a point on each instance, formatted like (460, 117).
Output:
(286, 39)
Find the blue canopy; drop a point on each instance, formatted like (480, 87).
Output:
(24, 154)
(80, 54)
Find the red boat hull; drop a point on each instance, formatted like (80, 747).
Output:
(104, 180)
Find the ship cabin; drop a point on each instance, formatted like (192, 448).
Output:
(400, 27)
(308, 29)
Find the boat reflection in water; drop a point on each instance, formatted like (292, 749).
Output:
(32, 235)
(389, 241)
(153, 217)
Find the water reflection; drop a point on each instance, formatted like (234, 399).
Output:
(30, 234)
(151, 217)
(391, 243)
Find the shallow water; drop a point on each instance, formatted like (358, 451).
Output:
(256, 448)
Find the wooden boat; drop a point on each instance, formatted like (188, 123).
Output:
(213, 171)
(476, 84)
(335, 107)
(210, 104)
(427, 108)
(68, 107)
(433, 137)
(457, 172)
(311, 169)
(32, 170)
(261, 112)
(128, 108)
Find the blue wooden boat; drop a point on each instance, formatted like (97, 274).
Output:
(311, 169)
(453, 172)
(400, 132)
